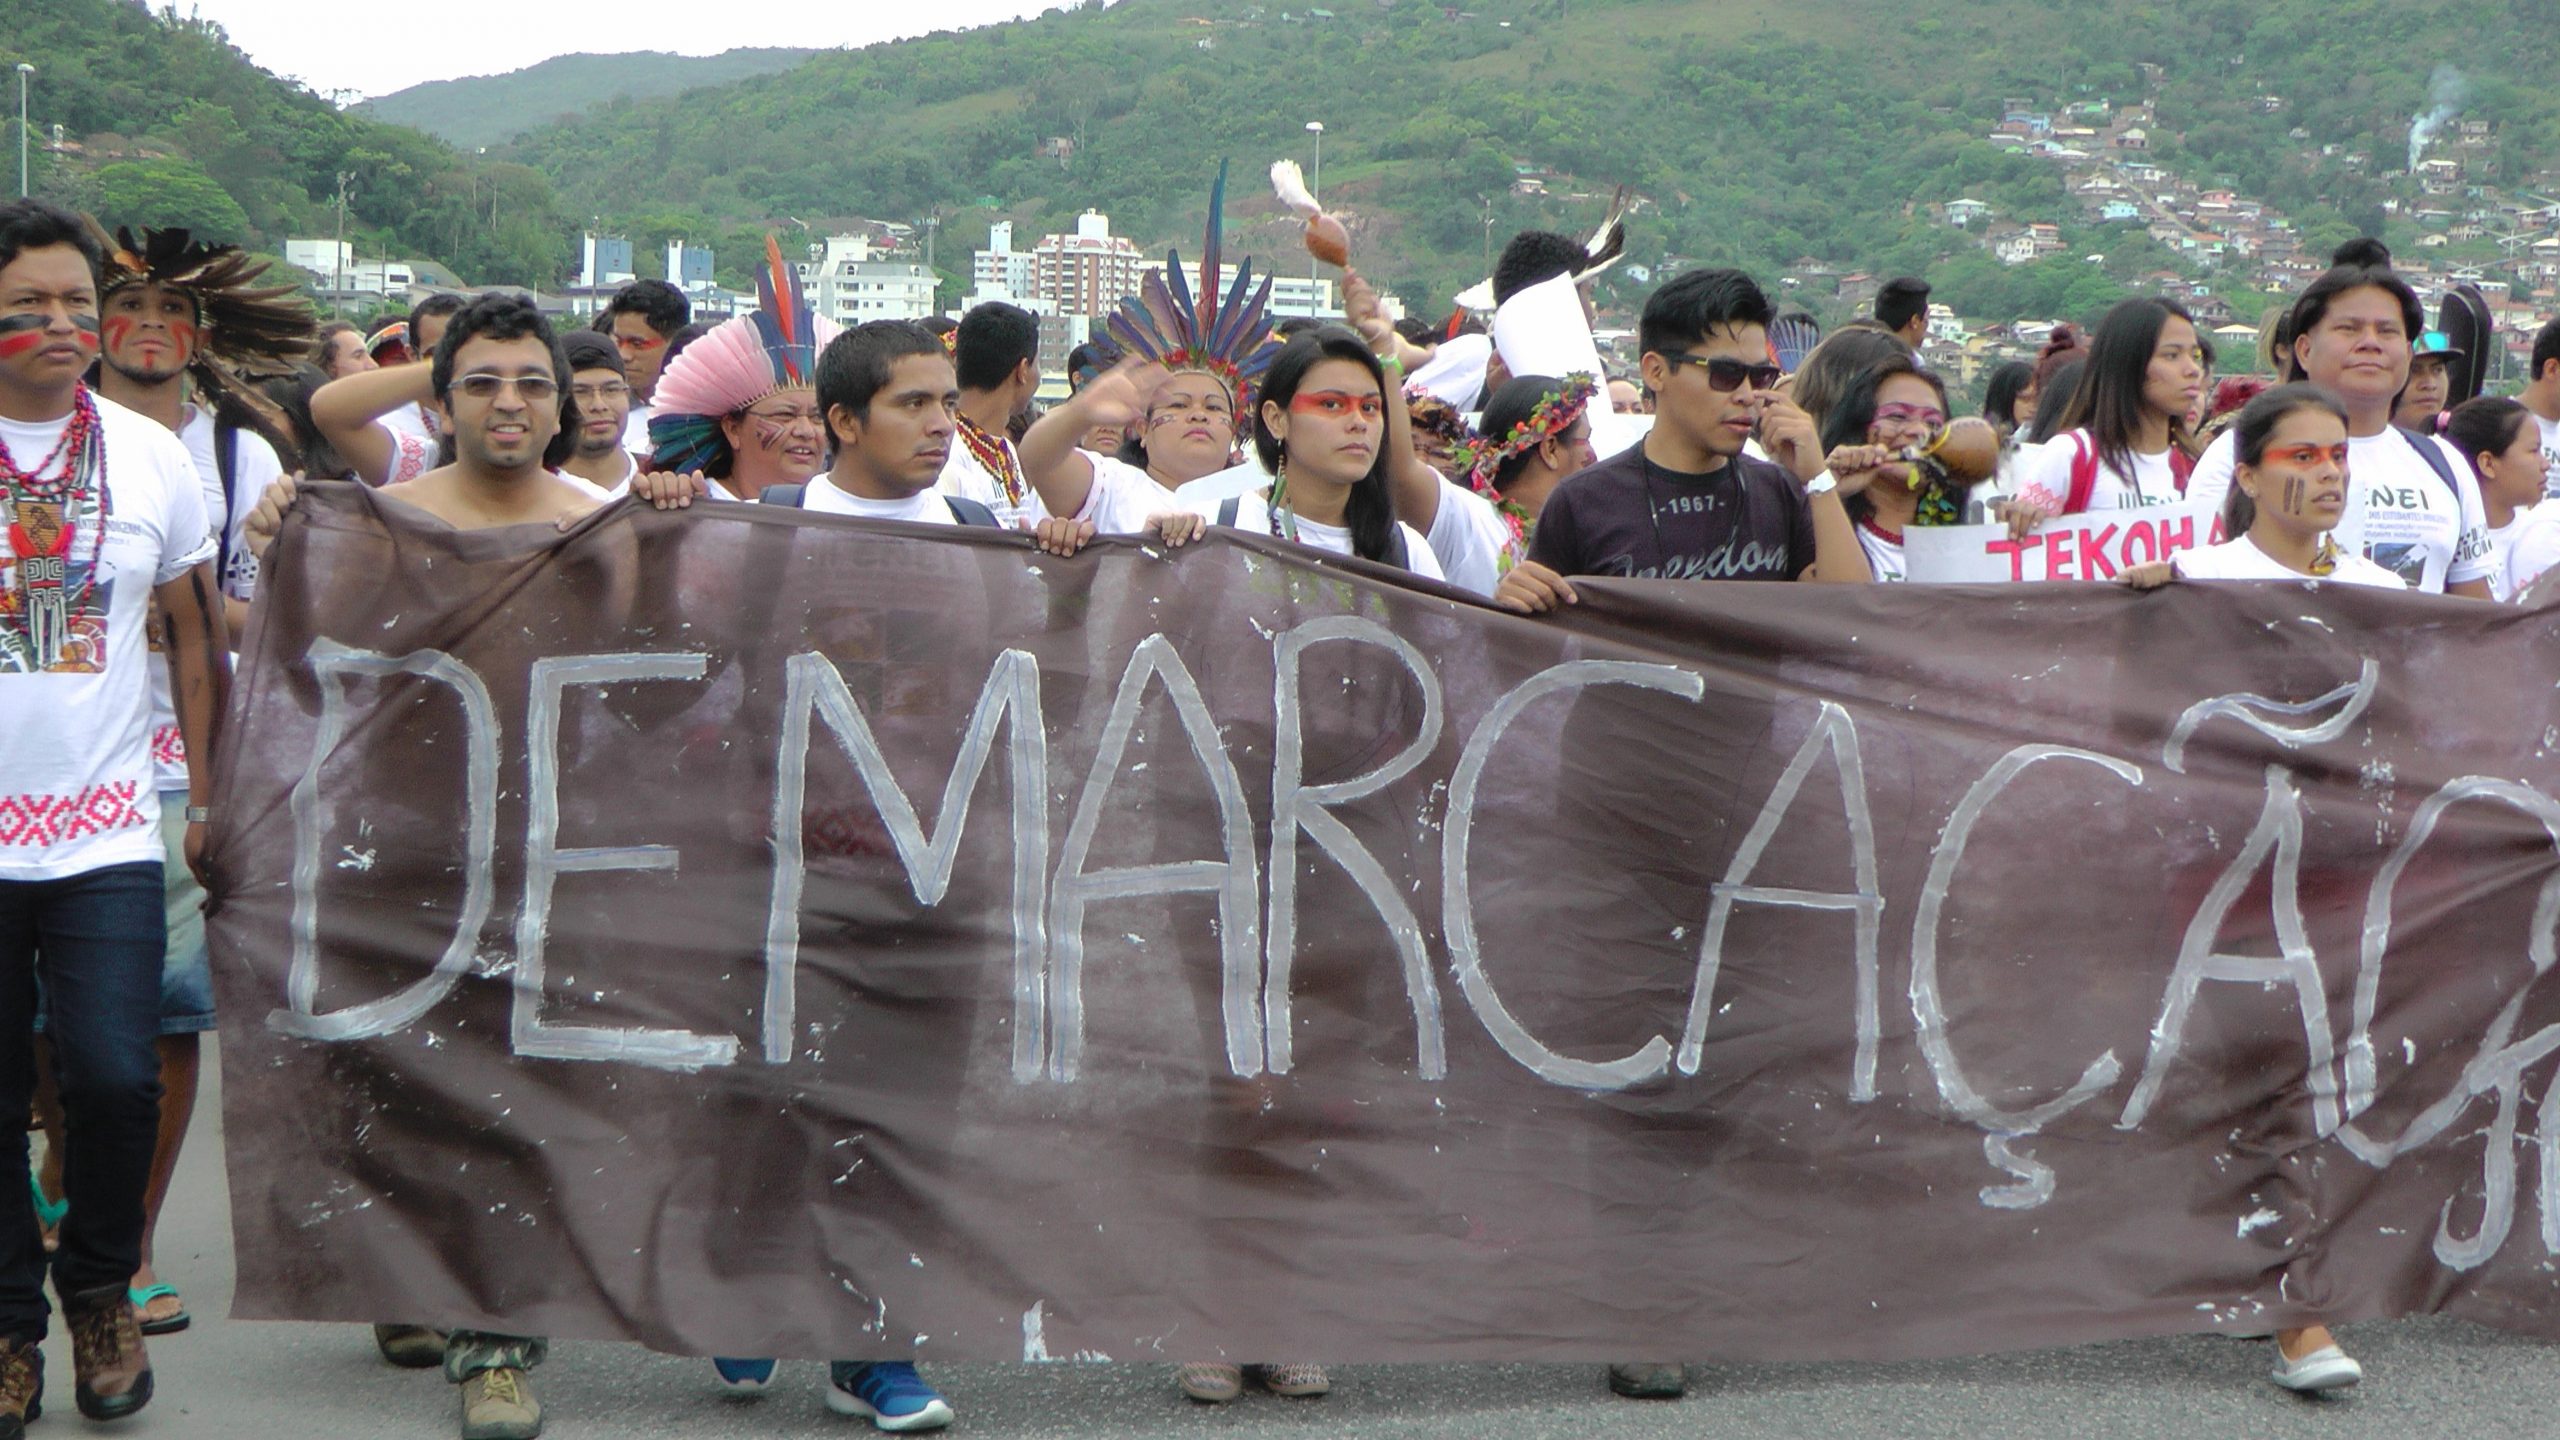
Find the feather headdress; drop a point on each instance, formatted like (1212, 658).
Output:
(251, 329)
(733, 367)
(1229, 338)
(1606, 245)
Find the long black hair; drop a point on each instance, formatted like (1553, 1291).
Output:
(2108, 401)
(1854, 413)
(291, 395)
(1511, 407)
(2486, 426)
(2054, 395)
(2250, 434)
(1369, 513)
(2000, 401)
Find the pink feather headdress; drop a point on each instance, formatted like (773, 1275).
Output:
(733, 367)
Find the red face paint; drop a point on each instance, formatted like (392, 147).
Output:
(86, 327)
(20, 334)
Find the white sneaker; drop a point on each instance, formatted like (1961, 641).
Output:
(2327, 1368)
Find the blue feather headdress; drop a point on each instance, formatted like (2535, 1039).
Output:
(1229, 338)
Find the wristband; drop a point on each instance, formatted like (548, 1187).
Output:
(1391, 362)
(199, 814)
(1822, 484)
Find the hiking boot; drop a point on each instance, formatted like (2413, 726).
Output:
(499, 1405)
(107, 1353)
(1648, 1381)
(21, 1386)
(411, 1347)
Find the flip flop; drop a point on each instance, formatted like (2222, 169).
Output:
(167, 1325)
(49, 1213)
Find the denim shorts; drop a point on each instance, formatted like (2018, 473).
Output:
(186, 976)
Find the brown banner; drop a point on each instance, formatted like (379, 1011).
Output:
(754, 933)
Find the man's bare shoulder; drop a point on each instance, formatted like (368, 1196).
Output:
(446, 494)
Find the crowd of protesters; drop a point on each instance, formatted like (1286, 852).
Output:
(161, 381)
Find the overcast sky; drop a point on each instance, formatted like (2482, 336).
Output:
(374, 47)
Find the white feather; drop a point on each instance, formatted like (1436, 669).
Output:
(1290, 183)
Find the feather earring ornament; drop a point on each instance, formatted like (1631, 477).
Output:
(1325, 237)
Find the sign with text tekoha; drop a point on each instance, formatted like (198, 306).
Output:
(748, 932)
(2096, 545)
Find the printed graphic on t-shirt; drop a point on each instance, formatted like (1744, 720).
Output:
(53, 598)
(41, 820)
(2409, 562)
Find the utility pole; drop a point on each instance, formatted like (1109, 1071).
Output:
(24, 71)
(1315, 187)
(338, 296)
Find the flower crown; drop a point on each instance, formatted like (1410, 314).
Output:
(1554, 416)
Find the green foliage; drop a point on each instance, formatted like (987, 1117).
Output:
(1754, 137)
(165, 193)
(486, 109)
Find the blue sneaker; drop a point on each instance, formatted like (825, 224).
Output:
(744, 1377)
(889, 1391)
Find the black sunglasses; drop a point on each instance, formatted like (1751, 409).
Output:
(1726, 375)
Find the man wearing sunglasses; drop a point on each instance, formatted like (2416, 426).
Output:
(497, 380)
(1688, 503)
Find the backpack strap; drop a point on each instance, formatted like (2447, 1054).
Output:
(226, 462)
(792, 495)
(1227, 510)
(2084, 474)
(966, 511)
(2433, 454)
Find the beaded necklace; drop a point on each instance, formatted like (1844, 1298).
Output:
(989, 450)
(81, 483)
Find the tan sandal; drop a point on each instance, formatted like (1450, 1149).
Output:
(1297, 1381)
(1210, 1382)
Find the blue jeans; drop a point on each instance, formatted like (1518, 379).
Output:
(98, 939)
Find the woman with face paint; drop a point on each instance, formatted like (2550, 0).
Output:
(2415, 506)
(2289, 490)
(740, 406)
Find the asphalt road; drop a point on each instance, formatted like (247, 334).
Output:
(323, 1382)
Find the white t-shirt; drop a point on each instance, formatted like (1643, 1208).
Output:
(1884, 551)
(1123, 498)
(411, 420)
(635, 429)
(1253, 515)
(1468, 537)
(2550, 454)
(2044, 476)
(411, 455)
(2533, 547)
(2501, 541)
(258, 468)
(925, 507)
(2400, 514)
(965, 475)
(78, 792)
(2241, 559)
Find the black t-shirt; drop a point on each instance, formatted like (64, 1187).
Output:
(1627, 516)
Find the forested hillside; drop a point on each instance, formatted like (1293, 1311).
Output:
(485, 109)
(1758, 133)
